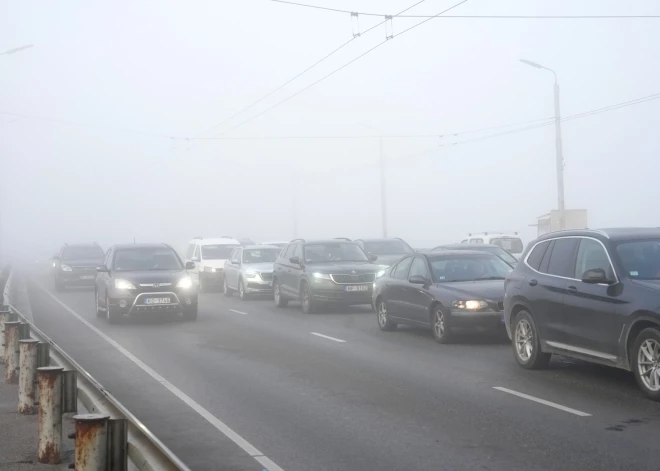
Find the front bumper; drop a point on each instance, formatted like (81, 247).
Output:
(137, 302)
(258, 286)
(216, 278)
(339, 294)
(76, 277)
(463, 318)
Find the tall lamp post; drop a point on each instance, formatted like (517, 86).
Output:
(558, 144)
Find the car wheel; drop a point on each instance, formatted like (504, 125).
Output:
(646, 362)
(280, 300)
(99, 311)
(307, 299)
(190, 314)
(241, 290)
(226, 290)
(384, 321)
(527, 344)
(112, 316)
(439, 325)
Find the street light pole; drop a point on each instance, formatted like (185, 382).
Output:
(559, 153)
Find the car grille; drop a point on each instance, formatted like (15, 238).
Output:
(348, 279)
(266, 276)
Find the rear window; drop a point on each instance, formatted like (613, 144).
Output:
(535, 257)
(510, 244)
(217, 252)
(82, 252)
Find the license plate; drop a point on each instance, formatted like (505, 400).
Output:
(157, 301)
(357, 288)
(87, 277)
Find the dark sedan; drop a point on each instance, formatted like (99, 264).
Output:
(444, 291)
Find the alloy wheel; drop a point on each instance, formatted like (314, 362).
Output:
(439, 324)
(524, 340)
(382, 314)
(648, 364)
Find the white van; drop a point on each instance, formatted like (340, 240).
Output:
(512, 243)
(209, 256)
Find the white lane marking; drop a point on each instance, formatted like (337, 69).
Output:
(238, 312)
(543, 401)
(213, 420)
(328, 337)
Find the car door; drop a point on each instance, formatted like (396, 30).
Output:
(593, 319)
(294, 271)
(546, 288)
(395, 288)
(281, 266)
(417, 298)
(195, 272)
(103, 278)
(235, 266)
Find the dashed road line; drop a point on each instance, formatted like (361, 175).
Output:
(238, 312)
(543, 401)
(194, 405)
(334, 339)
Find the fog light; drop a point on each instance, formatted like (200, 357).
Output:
(122, 303)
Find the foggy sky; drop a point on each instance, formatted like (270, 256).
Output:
(175, 68)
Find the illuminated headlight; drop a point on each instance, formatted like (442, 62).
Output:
(321, 277)
(471, 305)
(54, 264)
(123, 284)
(185, 283)
(380, 273)
(251, 274)
(65, 267)
(211, 270)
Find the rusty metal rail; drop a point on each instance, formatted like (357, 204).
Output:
(141, 446)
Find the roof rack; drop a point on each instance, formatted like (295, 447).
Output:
(297, 240)
(343, 238)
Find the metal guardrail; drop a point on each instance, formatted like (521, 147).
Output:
(141, 446)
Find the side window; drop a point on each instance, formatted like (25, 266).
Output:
(562, 259)
(418, 267)
(190, 251)
(196, 252)
(297, 251)
(238, 255)
(283, 252)
(536, 256)
(476, 241)
(401, 270)
(108, 258)
(590, 255)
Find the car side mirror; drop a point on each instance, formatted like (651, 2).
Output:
(295, 260)
(417, 280)
(373, 257)
(595, 276)
(102, 269)
(190, 265)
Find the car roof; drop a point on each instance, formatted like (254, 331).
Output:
(270, 242)
(434, 253)
(215, 241)
(615, 234)
(142, 245)
(467, 246)
(261, 246)
(84, 244)
(381, 239)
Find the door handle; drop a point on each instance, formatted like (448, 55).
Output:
(533, 282)
(572, 289)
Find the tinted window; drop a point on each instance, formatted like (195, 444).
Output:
(297, 251)
(418, 267)
(401, 270)
(82, 252)
(334, 252)
(468, 267)
(591, 254)
(287, 251)
(510, 244)
(535, 257)
(146, 258)
(562, 257)
(640, 259)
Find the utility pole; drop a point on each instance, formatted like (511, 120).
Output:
(383, 188)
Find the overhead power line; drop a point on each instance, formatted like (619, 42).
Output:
(340, 68)
(525, 17)
(334, 51)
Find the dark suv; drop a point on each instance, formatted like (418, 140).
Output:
(325, 271)
(592, 295)
(141, 278)
(75, 265)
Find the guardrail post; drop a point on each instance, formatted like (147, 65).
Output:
(91, 442)
(49, 379)
(11, 352)
(117, 445)
(27, 375)
(4, 317)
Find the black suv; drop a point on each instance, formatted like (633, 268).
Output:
(592, 295)
(323, 271)
(389, 251)
(75, 265)
(139, 278)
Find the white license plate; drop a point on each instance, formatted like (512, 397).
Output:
(87, 277)
(157, 301)
(357, 288)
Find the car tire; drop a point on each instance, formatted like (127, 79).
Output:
(99, 311)
(439, 326)
(226, 290)
(280, 300)
(527, 344)
(646, 362)
(112, 316)
(307, 299)
(190, 314)
(384, 321)
(241, 290)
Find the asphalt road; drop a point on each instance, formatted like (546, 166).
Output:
(331, 392)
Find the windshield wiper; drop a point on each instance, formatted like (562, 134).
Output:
(490, 278)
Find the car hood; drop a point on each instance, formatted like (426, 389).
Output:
(389, 259)
(82, 262)
(488, 290)
(338, 268)
(265, 267)
(151, 276)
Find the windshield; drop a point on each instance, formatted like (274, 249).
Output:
(260, 255)
(217, 252)
(82, 253)
(387, 247)
(146, 258)
(640, 259)
(503, 254)
(510, 244)
(450, 268)
(334, 252)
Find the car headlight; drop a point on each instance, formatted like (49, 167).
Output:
(54, 264)
(470, 305)
(211, 270)
(251, 274)
(321, 277)
(185, 283)
(380, 273)
(123, 284)
(64, 267)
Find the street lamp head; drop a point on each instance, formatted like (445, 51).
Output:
(533, 64)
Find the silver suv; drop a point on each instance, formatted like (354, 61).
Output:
(249, 270)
